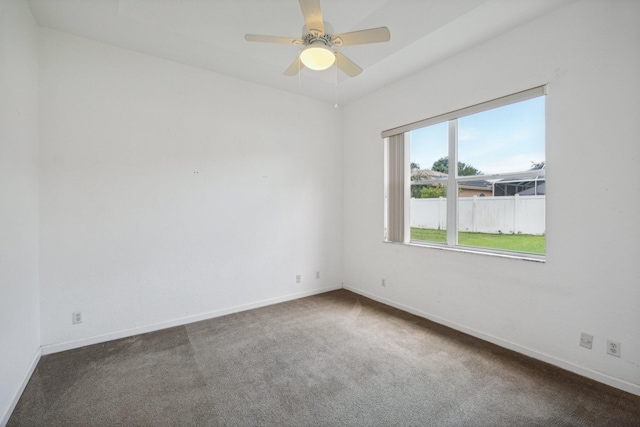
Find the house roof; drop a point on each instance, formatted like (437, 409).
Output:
(427, 174)
(482, 184)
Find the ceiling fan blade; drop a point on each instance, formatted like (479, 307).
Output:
(349, 67)
(372, 35)
(312, 15)
(294, 68)
(272, 39)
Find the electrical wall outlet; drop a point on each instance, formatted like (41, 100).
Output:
(76, 317)
(317, 274)
(613, 348)
(298, 278)
(384, 283)
(586, 340)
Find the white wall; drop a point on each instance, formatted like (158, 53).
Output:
(588, 54)
(170, 193)
(19, 306)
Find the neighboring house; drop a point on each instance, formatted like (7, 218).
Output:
(479, 188)
(420, 178)
(525, 186)
(529, 186)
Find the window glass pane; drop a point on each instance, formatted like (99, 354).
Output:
(428, 214)
(505, 139)
(508, 223)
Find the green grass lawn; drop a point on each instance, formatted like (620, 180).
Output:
(508, 242)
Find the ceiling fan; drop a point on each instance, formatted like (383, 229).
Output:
(319, 51)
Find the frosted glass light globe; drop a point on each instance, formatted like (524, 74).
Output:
(317, 57)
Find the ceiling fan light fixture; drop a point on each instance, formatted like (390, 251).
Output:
(317, 57)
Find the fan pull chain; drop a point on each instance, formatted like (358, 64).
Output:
(336, 104)
(299, 85)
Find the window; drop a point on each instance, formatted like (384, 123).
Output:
(493, 200)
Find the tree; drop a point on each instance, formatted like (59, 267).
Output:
(442, 165)
(416, 173)
(433, 191)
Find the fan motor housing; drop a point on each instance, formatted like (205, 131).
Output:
(313, 38)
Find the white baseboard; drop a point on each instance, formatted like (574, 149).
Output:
(68, 345)
(16, 396)
(594, 375)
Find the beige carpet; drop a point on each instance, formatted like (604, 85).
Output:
(336, 359)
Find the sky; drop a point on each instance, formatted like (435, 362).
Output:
(505, 139)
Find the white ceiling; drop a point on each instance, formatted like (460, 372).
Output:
(209, 34)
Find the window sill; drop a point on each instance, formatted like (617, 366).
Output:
(479, 251)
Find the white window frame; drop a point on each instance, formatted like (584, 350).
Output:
(453, 180)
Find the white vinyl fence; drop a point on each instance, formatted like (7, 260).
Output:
(508, 214)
